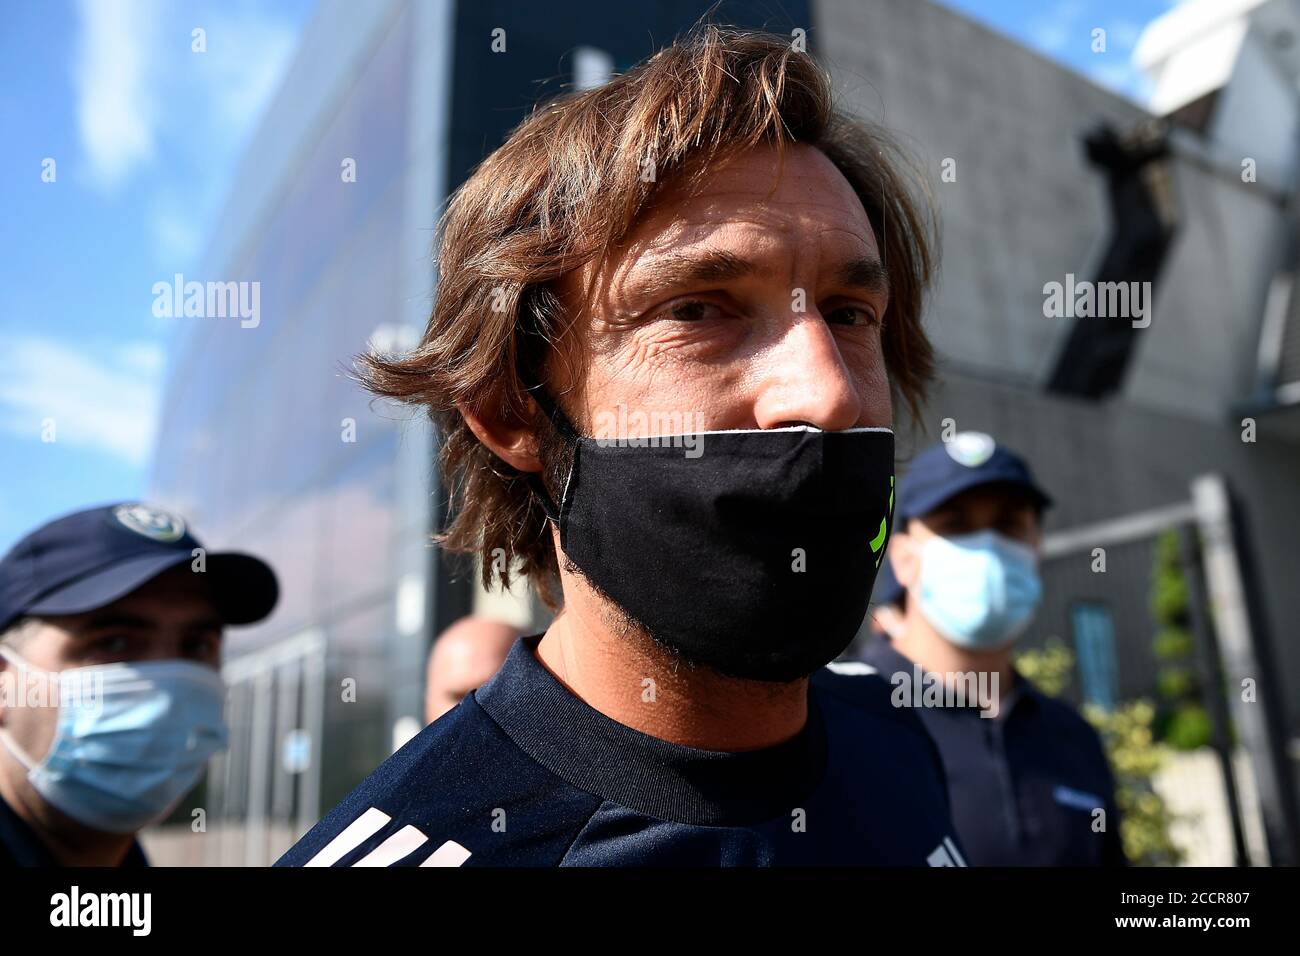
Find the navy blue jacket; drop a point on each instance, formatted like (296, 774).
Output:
(523, 772)
(1025, 786)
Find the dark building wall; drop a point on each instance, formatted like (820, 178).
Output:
(493, 92)
(1024, 207)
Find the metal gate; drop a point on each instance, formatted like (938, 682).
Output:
(1097, 591)
(264, 790)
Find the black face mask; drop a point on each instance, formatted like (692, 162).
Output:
(752, 552)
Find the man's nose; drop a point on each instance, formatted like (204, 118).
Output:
(807, 382)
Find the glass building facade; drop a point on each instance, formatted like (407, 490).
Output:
(269, 446)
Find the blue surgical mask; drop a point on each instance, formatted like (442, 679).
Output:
(132, 739)
(978, 590)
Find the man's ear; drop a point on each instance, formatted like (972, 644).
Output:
(509, 438)
(904, 556)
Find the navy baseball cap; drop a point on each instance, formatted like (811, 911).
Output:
(89, 559)
(967, 460)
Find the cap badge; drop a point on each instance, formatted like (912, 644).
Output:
(971, 449)
(150, 522)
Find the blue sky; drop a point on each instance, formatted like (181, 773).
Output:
(145, 134)
(1062, 30)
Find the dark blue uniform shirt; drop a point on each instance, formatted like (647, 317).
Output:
(523, 772)
(20, 846)
(1024, 785)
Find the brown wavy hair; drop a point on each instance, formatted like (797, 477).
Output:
(565, 186)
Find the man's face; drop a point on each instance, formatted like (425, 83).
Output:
(754, 303)
(171, 617)
(1007, 510)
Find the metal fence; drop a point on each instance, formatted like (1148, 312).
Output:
(1098, 584)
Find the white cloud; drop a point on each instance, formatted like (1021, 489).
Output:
(138, 84)
(107, 401)
(146, 358)
(116, 112)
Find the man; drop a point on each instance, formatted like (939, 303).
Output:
(464, 657)
(110, 699)
(1027, 776)
(657, 361)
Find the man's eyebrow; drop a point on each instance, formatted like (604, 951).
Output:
(213, 623)
(943, 512)
(866, 273)
(116, 619)
(680, 269)
(683, 269)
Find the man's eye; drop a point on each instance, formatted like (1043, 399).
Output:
(202, 647)
(691, 310)
(1016, 528)
(851, 315)
(112, 644)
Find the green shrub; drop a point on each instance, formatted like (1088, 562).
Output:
(1049, 669)
(1135, 756)
(1172, 643)
(1188, 728)
(1169, 595)
(1173, 683)
(1180, 718)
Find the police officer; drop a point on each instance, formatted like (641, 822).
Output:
(110, 699)
(1027, 776)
